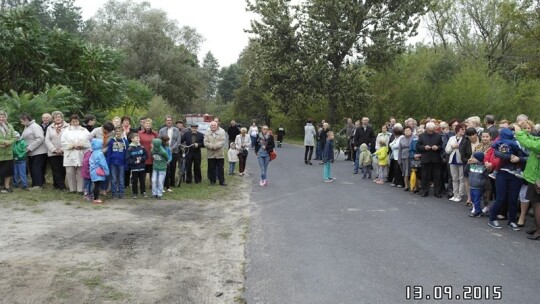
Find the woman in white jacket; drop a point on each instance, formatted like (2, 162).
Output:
(309, 141)
(243, 142)
(456, 166)
(75, 142)
(53, 142)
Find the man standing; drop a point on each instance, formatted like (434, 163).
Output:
(193, 153)
(174, 140)
(489, 120)
(363, 135)
(350, 127)
(232, 131)
(429, 145)
(214, 142)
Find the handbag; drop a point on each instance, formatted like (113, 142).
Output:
(245, 152)
(273, 155)
(100, 171)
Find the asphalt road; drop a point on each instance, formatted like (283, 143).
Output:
(353, 241)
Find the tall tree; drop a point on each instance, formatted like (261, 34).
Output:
(210, 75)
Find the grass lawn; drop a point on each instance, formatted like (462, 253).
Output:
(202, 191)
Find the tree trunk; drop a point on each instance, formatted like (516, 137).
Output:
(333, 96)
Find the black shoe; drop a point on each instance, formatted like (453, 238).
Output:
(438, 195)
(309, 162)
(223, 184)
(534, 238)
(449, 196)
(530, 232)
(406, 189)
(424, 194)
(522, 225)
(305, 162)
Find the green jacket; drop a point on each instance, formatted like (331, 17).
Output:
(6, 153)
(159, 155)
(531, 143)
(19, 150)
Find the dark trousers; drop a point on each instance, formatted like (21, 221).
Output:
(138, 178)
(97, 186)
(309, 153)
(431, 172)
(44, 167)
(216, 165)
(242, 166)
(508, 186)
(391, 172)
(58, 172)
(194, 163)
(444, 178)
(127, 177)
(36, 169)
(398, 174)
(350, 152)
(170, 176)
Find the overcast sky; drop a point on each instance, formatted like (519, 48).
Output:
(220, 22)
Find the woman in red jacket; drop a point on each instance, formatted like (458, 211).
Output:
(146, 136)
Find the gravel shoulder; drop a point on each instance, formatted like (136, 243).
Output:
(124, 252)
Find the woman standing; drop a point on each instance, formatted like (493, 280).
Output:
(532, 176)
(455, 163)
(253, 132)
(395, 176)
(243, 142)
(74, 144)
(7, 139)
(53, 141)
(403, 159)
(146, 136)
(263, 147)
(309, 141)
(37, 151)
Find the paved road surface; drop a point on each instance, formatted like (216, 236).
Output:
(357, 242)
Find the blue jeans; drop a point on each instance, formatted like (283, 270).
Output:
(264, 160)
(19, 176)
(117, 177)
(356, 162)
(476, 198)
(318, 151)
(158, 178)
(326, 170)
(87, 186)
(231, 167)
(508, 186)
(253, 140)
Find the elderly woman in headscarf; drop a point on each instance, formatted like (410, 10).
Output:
(7, 139)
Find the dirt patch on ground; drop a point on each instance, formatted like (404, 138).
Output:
(124, 252)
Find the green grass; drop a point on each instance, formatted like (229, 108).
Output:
(294, 140)
(199, 192)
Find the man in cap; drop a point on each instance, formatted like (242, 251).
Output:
(193, 153)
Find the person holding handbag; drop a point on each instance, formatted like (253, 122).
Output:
(243, 142)
(264, 146)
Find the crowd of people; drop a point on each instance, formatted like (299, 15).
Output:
(494, 168)
(95, 161)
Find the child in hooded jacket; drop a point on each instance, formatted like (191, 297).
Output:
(99, 170)
(116, 159)
(365, 161)
(382, 156)
(477, 175)
(160, 160)
(20, 156)
(85, 174)
(328, 157)
(233, 157)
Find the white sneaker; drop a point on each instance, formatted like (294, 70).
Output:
(485, 210)
(452, 199)
(261, 183)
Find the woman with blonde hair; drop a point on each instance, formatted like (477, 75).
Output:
(74, 144)
(53, 141)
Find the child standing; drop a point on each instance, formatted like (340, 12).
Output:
(98, 168)
(477, 175)
(160, 159)
(85, 174)
(116, 159)
(233, 157)
(328, 157)
(365, 161)
(20, 156)
(382, 156)
(136, 159)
